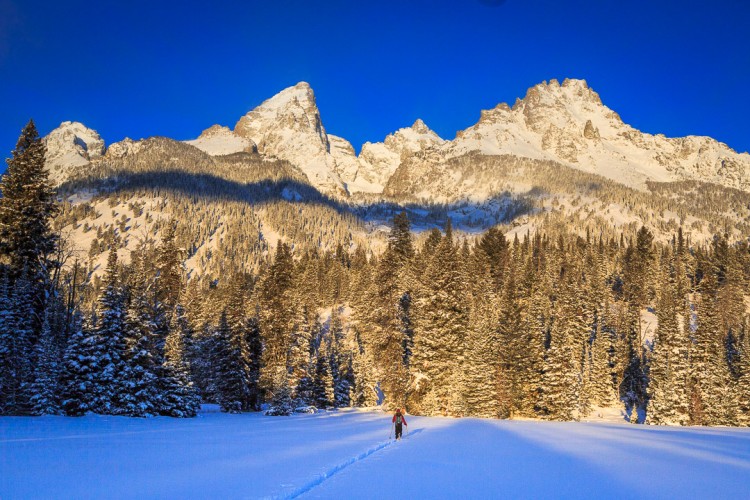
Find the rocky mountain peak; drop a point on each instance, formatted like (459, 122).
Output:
(420, 127)
(215, 130)
(288, 126)
(293, 110)
(69, 146)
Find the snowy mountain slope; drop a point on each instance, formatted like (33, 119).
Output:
(288, 126)
(218, 140)
(69, 147)
(347, 454)
(569, 124)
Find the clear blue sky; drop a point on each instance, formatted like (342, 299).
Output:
(142, 68)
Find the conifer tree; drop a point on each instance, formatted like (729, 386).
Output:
(743, 382)
(179, 398)
(514, 367)
(108, 340)
(439, 335)
(323, 395)
(563, 369)
(276, 319)
(233, 383)
(81, 365)
(341, 371)
(482, 346)
(44, 389)
(16, 346)
(713, 400)
(364, 392)
(281, 399)
(139, 394)
(667, 390)
(27, 206)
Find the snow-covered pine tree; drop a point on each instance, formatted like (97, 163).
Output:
(254, 352)
(713, 399)
(7, 345)
(305, 329)
(232, 377)
(169, 270)
(44, 389)
(108, 341)
(323, 395)
(81, 364)
(665, 385)
(340, 361)
(440, 331)
(743, 381)
(494, 245)
(383, 333)
(179, 397)
(277, 314)
(537, 326)
(481, 342)
(634, 382)
(363, 393)
(27, 206)
(513, 366)
(139, 394)
(16, 344)
(563, 367)
(281, 398)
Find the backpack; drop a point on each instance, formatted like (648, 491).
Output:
(398, 419)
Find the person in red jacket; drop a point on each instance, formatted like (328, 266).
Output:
(399, 420)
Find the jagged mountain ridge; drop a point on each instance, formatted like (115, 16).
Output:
(566, 123)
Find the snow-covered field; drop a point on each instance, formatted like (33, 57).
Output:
(347, 454)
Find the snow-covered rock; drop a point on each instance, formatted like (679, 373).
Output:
(378, 161)
(125, 147)
(288, 126)
(70, 146)
(218, 140)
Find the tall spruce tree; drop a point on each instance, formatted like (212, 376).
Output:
(179, 397)
(564, 369)
(667, 374)
(27, 207)
(713, 399)
(109, 340)
(277, 320)
(440, 333)
(139, 393)
(233, 383)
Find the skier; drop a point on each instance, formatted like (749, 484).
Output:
(399, 419)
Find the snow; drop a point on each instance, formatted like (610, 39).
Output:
(346, 454)
(221, 141)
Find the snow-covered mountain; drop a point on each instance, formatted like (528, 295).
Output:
(569, 124)
(70, 146)
(565, 123)
(288, 126)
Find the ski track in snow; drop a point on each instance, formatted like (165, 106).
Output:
(338, 468)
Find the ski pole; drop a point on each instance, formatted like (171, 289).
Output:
(390, 432)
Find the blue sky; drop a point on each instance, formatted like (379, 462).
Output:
(142, 68)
